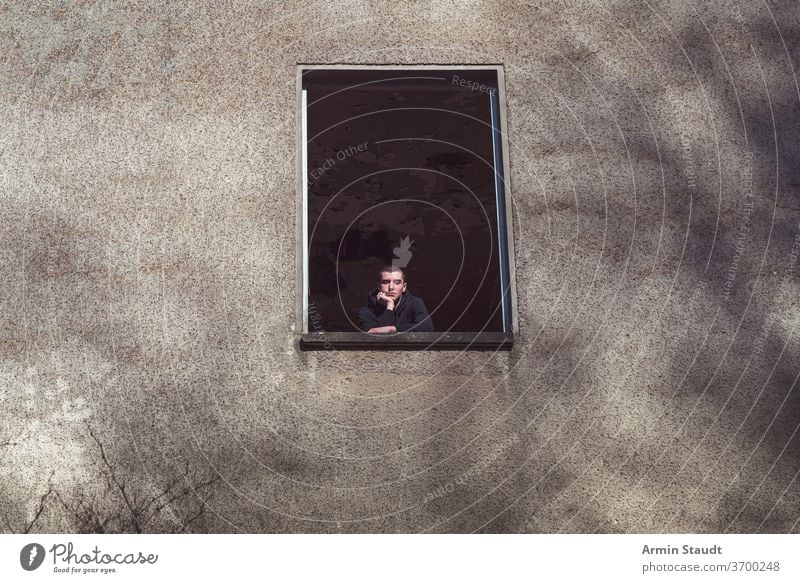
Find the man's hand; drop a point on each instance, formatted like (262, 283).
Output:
(387, 301)
(382, 330)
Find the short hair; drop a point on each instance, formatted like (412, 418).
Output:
(390, 269)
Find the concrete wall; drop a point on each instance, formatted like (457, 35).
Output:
(147, 249)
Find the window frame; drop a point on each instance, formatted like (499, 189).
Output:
(321, 340)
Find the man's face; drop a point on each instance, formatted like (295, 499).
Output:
(393, 284)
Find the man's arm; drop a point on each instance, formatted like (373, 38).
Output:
(368, 320)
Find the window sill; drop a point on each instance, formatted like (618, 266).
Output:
(407, 341)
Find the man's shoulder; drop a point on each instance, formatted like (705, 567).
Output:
(413, 300)
(370, 300)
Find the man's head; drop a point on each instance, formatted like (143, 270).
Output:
(392, 281)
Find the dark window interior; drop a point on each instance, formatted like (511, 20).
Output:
(401, 169)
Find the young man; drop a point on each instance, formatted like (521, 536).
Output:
(391, 308)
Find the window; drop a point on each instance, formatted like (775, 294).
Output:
(404, 166)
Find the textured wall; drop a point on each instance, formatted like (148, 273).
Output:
(149, 372)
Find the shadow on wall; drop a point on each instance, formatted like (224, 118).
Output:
(736, 387)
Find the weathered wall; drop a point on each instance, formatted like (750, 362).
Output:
(147, 167)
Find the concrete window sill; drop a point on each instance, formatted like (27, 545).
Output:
(407, 341)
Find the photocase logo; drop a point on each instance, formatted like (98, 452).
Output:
(31, 556)
(402, 253)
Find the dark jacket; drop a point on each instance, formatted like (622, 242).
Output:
(409, 315)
